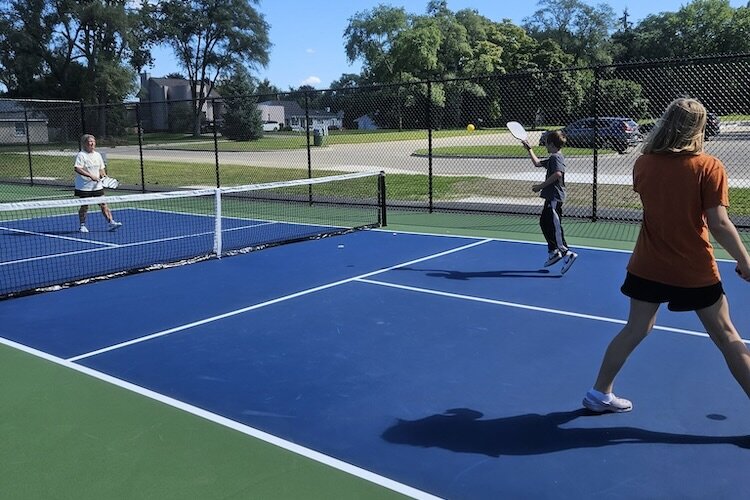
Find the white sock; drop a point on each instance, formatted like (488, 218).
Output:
(604, 397)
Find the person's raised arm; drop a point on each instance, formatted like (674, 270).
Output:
(534, 159)
(725, 233)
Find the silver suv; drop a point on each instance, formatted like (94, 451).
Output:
(610, 132)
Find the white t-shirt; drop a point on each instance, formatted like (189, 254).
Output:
(91, 163)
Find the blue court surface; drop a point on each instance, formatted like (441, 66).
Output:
(435, 366)
(42, 251)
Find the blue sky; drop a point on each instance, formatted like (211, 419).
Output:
(308, 43)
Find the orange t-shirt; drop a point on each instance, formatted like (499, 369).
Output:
(673, 246)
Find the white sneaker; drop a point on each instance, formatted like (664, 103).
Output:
(616, 405)
(83, 229)
(554, 257)
(114, 225)
(568, 260)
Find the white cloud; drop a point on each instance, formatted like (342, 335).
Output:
(310, 51)
(311, 81)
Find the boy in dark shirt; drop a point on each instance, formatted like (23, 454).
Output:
(553, 192)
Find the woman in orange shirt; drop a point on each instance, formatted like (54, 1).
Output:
(684, 193)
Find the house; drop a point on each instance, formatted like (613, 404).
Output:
(165, 98)
(365, 122)
(15, 124)
(293, 116)
(271, 112)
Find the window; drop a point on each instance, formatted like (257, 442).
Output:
(20, 129)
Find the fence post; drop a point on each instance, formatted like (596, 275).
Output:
(28, 144)
(83, 120)
(139, 128)
(381, 198)
(309, 154)
(429, 147)
(595, 173)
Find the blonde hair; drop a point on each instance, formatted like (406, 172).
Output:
(86, 137)
(681, 129)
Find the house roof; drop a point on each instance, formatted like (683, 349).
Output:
(291, 108)
(13, 111)
(179, 82)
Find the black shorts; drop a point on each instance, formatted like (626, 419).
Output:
(88, 194)
(677, 297)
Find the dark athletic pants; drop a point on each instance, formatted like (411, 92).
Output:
(551, 224)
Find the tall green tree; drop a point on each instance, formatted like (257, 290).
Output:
(370, 36)
(209, 37)
(701, 27)
(84, 49)
(23, 33)
(241, 119)
(578, 28)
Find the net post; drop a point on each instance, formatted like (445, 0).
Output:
(217, 222)
(381, 199)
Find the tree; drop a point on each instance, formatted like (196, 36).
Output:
(79, 49)
(241, 119)
(21, 33)
(579, 29)
(701, 27)
(267, 88)
(209, 37)
(370, 36)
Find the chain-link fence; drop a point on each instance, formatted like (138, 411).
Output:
(442, 143)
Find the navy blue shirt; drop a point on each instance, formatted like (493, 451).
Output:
(556, 190)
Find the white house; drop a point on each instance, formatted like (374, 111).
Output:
(293, 116)
(271, 113)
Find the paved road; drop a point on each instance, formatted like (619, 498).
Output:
(397, 157)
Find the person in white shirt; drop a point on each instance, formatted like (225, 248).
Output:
(89, 167)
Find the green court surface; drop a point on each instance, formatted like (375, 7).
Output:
(24, 192)
(66, 435)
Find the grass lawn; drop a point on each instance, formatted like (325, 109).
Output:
(405, 187)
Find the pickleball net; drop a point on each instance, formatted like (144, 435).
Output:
(41, 246)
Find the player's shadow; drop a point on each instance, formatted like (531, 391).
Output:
(467, 275)
(462, 430)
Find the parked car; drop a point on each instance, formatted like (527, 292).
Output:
(271, 126)
(207, 127)
(613, 132)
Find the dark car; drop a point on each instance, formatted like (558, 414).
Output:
(610, 132)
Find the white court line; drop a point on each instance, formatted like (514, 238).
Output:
(232, 424)
(269, 302)
(529, 307)
(128, 245)
(526, 242)
(47, 235)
